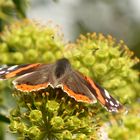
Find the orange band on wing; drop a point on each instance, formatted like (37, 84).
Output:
(77, 96)
(12, 74)
(99, 95)
(29, 88)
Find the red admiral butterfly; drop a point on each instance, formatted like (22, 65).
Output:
(34, 77)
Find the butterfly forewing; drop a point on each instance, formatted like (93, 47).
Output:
(17, 70)
(34, 81)
(102, 95)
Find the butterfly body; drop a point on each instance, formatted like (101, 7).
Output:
(34, 77)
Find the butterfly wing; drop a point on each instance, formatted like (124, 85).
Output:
(75, 88)
(101, 94)
(17, 70)
(83, 89)
(34, 81)
(111, 104)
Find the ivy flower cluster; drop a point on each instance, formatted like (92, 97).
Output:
(51, 113)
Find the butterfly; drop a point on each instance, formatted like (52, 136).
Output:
(35, 77)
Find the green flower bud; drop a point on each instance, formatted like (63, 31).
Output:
(67, 135)
(31, 55)
(102, 53)
(92, 46)
(58, 54)
(35, 115)
(52, 106)
(40, 44)
(68, 54)
(100, 69)
(13, 126)
(76, 64)
(38, 104)
(84, 124)
(114, 83)
(4, 58)
(84, 70)
(73, 122)
(21, 128)
(133, 75)
(125, 71)
(89, 60)
(70, 50)
(3, 48)
(34, 132)
(48, 57)
(14, 40)
(17, 58)
(81, 137)
(57, 122)
(26, 42)
(114, 52)
(117, 63)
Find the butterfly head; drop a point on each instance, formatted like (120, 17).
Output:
(61, 66)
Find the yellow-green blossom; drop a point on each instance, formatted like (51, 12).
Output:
(51, 113)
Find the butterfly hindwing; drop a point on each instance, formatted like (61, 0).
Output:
(72, 85)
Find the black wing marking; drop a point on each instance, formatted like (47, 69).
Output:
(111, 104)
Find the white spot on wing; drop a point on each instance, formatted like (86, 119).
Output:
(12, 68)
(117, 102)
(111, 103)
(107, 94)
(106, 100)
(2, 72)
